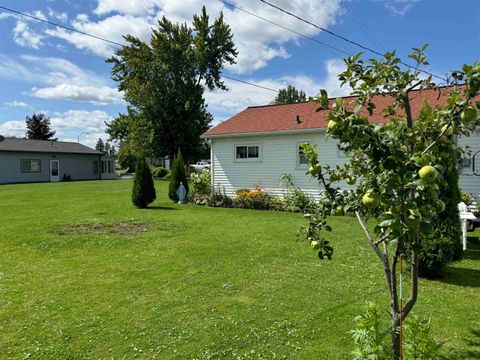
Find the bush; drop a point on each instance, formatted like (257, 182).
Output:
(159, 172)
(297, 200)
(201, 183)
(253, 199)
(219, 198)
(143, 192)
(178, 175)
(466, 198)
(372, 342)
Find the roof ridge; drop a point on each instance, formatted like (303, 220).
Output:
(337, 97)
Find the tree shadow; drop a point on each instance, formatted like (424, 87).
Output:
(473, 251)
(158, 207)
(470, 350)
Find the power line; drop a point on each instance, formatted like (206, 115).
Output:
(344, 38)
(284, 27)
(59, 25)
(51, 23)
(356, 17)
(249, 83)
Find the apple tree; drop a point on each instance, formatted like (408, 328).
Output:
(396, 169)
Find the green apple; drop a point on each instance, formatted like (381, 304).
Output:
(334, 176)
(440, 205)
(332, 125)
(371, 200)
(428, 173)
(351, 180)
(468, 115)
(313, 170)
(448, 130)
(315, 244)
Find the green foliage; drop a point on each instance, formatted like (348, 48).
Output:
(38, 128)
(290, 95)
(178, 174)
(126, 157)
(419, 343)
(466, 198)
(201, 183)
(369, 336)
(159, 172)
(295, 200)
(372, 343)
(100, 145)
(164, 82)
(257, 199)
(143, 191)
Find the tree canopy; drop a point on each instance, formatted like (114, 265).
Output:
(164, 83)
(290, 95)
(398, 170)
(38, 128)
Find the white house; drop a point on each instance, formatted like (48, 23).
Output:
(258, 145)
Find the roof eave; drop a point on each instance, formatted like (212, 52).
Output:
(263, 133)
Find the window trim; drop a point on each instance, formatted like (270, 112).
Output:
(247, 159)
(31, 172)
(297, 153)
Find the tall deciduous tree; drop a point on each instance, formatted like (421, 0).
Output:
(164, 82)
(400, 168)
(38, 128)
(290, 95)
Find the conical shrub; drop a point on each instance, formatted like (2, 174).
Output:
(143, 192)
(178, 174)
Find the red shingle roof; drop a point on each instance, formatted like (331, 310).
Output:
(268, 118)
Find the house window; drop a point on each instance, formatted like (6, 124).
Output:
(30, 166)
(301, 158)
(95, 167)
(104, 166)
(110, 166)
(246, 152)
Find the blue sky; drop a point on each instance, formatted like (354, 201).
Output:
(64, 75)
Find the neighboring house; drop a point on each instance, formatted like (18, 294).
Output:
(24, 161)
(258, 145)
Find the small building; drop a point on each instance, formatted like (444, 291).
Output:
(257, 146)
(25, 161)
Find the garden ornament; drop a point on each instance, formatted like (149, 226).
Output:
(181, 192)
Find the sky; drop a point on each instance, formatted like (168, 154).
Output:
(49, 70)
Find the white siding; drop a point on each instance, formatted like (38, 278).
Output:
(278, 155)
(469, 182)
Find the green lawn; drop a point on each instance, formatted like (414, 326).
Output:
(84, 274)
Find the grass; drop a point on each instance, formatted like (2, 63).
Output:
(84, 274)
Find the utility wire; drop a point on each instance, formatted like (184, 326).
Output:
(344, 38)
(111, 41)
(59, 25)
(249, 83)
(284, 27)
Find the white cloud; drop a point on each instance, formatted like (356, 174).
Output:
(242, 95)
(60, 79)
(24, 36)
(62, 16)
(399, 7)
(258, 42)
(13, 128)
(95, 95)
(16, 103)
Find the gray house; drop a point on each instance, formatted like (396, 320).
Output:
(23, 161)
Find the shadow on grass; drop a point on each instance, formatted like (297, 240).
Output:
(158, 207)
(466, 277)
(470, 350)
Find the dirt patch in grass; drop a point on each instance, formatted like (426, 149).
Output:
(120, 228)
